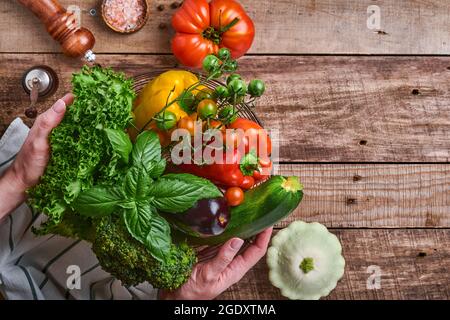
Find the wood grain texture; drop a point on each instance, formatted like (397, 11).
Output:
(372, 196)
(290, 26)
(414, 265)
(325, 108)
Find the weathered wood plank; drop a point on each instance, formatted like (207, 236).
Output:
(373, 196)
(414, 265)
(325, 108)
(289, 26)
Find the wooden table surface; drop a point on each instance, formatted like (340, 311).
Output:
(363, 116)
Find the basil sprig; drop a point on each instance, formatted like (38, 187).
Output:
(144, 192)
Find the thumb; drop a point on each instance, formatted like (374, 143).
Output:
(225, 256)
(52, 117)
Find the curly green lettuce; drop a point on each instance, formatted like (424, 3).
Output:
(81, 155)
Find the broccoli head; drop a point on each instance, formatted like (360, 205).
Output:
(129, 261)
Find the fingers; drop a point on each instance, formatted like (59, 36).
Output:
(52, 117)
(225, 256)
(244, 262)
(68, 99)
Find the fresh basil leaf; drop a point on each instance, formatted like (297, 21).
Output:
(249, 163)
(137, 182)
(120, 143)
(178, 192)
(98, 201)
(147, 149)
(149, 228)
(157, 168)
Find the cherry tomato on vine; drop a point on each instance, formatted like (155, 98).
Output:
(187, 123)
(214, 124)
(265, 162)
(204, 94)
(166, 120)
(230, 66)
(237, 87)
(187, 101)
(221, 92)
(234, 196)
(207, 109)
(232, 77)
(248, 182)
(228, 114)
(256, 88)
(211, 63)
(224, 54)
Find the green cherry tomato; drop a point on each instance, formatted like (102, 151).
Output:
(224, 54)
(210, 63)
(256, 88)
(207, 109)
(230, 66)
(233, 76)
(166, 120)
(187, 101)
(237, 87)
(228, 114)
(202, 95)
(221, 92)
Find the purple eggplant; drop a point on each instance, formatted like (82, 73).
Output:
(209, 217)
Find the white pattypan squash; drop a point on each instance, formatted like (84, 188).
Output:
(305, 261)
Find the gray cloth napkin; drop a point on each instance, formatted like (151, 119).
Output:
(33, 267)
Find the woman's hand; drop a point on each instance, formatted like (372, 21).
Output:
(209, 279)
(32, 158)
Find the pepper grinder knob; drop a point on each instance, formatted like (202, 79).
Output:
(38, 82)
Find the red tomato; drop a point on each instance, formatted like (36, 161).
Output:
(255, 136)
(234, 196)
(188, 124)
(248, 182)
(257, 175)
(265, 162)
(198, 27)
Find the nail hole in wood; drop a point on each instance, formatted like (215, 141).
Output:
(363, 142)
(174, 5)
(448, 68)
(357, 178)
(160, 7)
(422, 254)
(350, 201)
(162, 26)
(415, 92)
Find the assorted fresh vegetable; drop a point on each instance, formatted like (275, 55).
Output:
(305, 261)
(203, 27)
(264, 205)
(144, 193)
(141, 214)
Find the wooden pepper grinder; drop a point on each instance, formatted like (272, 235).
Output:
(62, 26)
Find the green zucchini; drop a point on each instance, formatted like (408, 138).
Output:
(263, 207)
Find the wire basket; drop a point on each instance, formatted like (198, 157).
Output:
(204, 252)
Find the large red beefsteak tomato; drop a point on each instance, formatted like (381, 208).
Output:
(203, 27)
